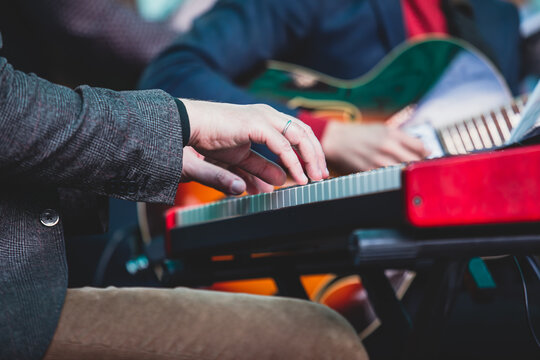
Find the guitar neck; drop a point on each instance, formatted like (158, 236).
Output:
(481, 132)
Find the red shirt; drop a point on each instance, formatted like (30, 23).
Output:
(423, 17)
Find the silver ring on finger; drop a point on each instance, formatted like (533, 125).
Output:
(286, 127)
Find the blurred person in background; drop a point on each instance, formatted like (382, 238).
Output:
(231, 43)
(180, 14)
(100, 42)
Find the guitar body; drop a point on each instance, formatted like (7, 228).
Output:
(423, 77)
(402, 78)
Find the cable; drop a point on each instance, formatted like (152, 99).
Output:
(534, 265)
(526, 298)
(106, 256)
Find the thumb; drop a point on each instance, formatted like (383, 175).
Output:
(197, 169)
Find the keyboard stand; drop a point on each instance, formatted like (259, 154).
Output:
(411, 328)
(288, 282)
(389, 310)
(440, 262)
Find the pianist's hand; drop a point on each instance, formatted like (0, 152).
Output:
(219, 176)
(360, 147)
(223, 133)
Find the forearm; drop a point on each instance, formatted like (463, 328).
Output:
(226, 45)
(186, 75)
(122, 144)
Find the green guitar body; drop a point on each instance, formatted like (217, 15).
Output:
(400, 79)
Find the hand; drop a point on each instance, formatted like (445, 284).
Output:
(359, 147)
(223, 133)
(197, 168)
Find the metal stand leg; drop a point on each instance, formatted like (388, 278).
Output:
(395, 321)
(289, 285)
(439, 292)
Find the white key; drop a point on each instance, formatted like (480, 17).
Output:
(493, 131)
(464, 134)
(475, 136)
(501, 121)
(448, 141)
(483, 132)
(457, 140)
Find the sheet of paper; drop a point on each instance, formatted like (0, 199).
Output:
(427, 134)
(530, 117)
(469, 86)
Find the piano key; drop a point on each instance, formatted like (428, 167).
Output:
(493, 131)
(464, 134)
(287, 194)
(306, 193)
(482, 129)
(298, 195)
(506, 114)
(475, 135)
(501, 123)
(448, 141)
(356, 187)
(352, 185)
(325, 189)
(457, 140)
(514, 119)
(317, 191)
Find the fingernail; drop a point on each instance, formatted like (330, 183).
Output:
(304, 179)
(326, 172)
(237, 187)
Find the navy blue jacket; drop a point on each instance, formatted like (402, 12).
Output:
(342, 38)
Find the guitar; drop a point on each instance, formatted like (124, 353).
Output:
(429, 88)
(416, 88)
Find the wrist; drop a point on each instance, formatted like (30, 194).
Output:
(184, 120)
(194, 120)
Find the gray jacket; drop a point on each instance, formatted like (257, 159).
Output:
(121, 144)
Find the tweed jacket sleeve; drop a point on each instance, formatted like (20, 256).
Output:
(121, 144)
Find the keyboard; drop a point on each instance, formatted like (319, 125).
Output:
(496, 187)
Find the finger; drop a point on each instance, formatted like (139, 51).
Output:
(353, 163)
(280, 146)
(216, 177)
(316, 145)
(257, 186)
(379, 160)
(263, 168)
(299, 139)
(253, 183)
